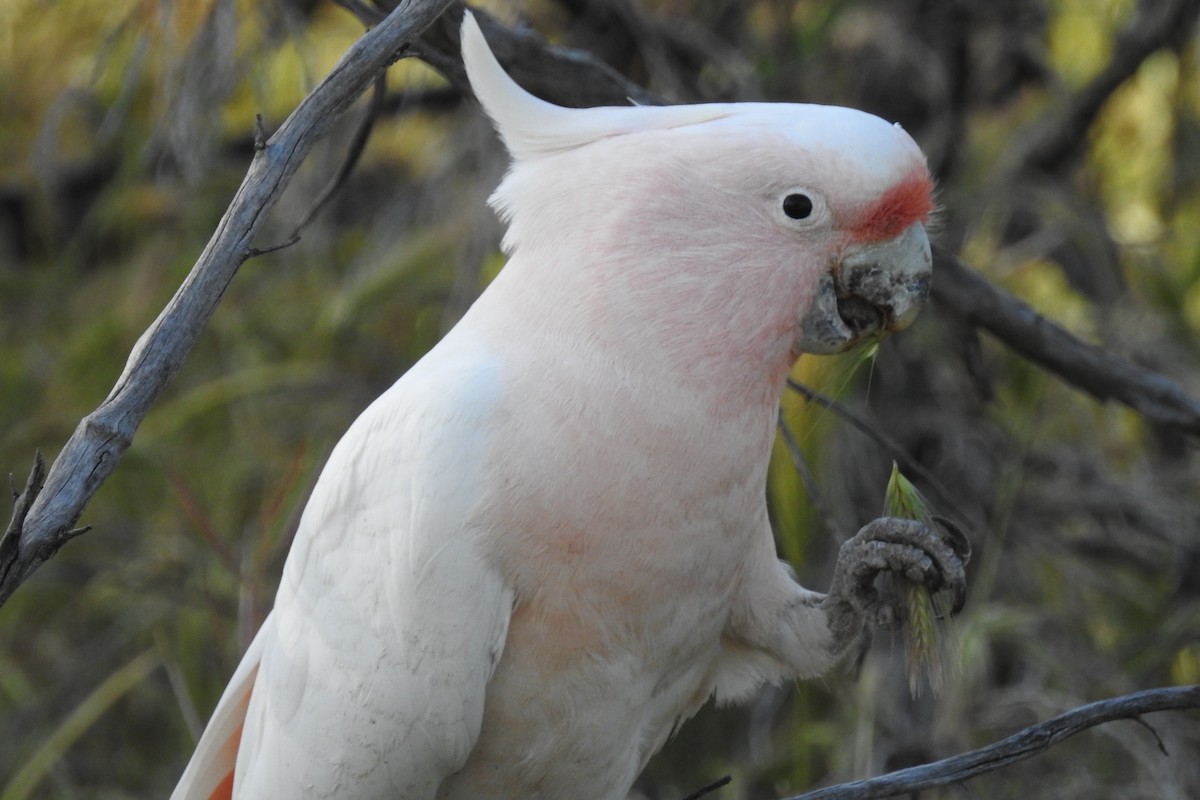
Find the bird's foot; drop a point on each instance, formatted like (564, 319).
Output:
(931, 555)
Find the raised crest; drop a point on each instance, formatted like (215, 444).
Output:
(532, 127)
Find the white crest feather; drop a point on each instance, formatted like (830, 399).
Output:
(532, 127)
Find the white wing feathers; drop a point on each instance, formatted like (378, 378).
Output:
(388, 621)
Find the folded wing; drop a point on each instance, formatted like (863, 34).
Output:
(369, 678)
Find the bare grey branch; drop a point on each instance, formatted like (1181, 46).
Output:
(1021, 745)
(1098, 372)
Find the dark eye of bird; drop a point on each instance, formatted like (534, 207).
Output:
(797, 206)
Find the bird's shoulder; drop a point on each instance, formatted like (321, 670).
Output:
(389, 620)
(406, 471)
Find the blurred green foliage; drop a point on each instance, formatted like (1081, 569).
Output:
(126, 126)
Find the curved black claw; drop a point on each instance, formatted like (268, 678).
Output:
(932, 555)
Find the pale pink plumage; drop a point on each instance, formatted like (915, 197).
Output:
(547, 544)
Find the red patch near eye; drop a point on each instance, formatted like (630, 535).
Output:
(909, 201)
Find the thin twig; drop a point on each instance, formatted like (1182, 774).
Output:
(710, 788)
(255, 252)
(897, 450)
(260, 134)
(366, 13)
(22, 502)
(1162, 747)
(1021, 745)
(815, 497)
(357, 145)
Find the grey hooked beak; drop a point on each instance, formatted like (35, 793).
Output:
(877, 288)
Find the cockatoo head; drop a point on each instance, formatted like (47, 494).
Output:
(781, 216)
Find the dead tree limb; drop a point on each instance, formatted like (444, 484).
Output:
(1098, 372)
(1018, 747)
(102, 437)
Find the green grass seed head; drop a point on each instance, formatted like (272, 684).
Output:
(929, 648)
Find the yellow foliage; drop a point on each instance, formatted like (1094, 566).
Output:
(1132, 156)
(1080, 35)
(1185, 667)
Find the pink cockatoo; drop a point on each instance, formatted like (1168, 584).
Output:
(547, 544)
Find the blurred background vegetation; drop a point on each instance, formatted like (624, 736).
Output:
(125, 127)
